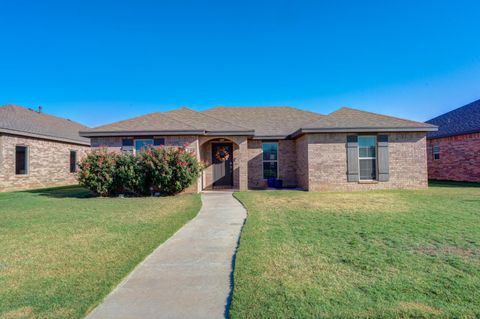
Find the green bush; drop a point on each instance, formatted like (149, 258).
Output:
(97, 171)
(127, 175)
(167, 170)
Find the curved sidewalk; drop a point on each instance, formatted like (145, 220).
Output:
(188, 276)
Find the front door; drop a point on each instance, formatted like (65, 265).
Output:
(222, 159)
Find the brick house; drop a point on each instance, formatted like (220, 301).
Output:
(454, 150)
(38, 150)
(244, 147)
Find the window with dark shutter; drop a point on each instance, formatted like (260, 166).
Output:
(127, 142)
(21, 160)
(367, 157)
(352, 158)
(383, 158)
(73, 161)
(158, 141)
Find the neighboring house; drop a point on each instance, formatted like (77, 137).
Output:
(454, 150)
(38, 150)
(244, 146)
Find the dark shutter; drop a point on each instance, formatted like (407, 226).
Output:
(127, 141)
(158, 141)
(382, 158)
(352, 158)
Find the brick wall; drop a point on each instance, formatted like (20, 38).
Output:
(48, 163)
(302, 161)
(459, 158)
(287, 164)
(327, 163)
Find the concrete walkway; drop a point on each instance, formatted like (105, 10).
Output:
(190, 275)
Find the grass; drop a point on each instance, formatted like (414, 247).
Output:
(61, 251)
(378, 254)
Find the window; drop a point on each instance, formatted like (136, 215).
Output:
(127, 141)
(142, 144)
(21, 160)
(367, 156)
(157, 141)
(73, 161)
(270, 160)
(436, 152)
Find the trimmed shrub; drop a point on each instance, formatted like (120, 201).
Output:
(127, 175)
(97, 171)
(167, 170)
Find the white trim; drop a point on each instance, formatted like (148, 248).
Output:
(271, 161)
(367, 158)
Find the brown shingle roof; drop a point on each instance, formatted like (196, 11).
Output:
(348, 119)
(179, 121)
(274, 121)
(262, 122)
(18, 120)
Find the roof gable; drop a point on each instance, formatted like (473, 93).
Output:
(22, 121)
(463, 120)
(348, 119)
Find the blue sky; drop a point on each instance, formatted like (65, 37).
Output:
(102, 61)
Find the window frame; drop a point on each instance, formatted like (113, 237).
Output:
(436, 155)
(27, 159)
(75, 163)
(367, 158)
(271, 161)
(141, 139)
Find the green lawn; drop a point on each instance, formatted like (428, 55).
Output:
(61, 252)
(379, 254)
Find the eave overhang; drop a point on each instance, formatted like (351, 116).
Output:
(363, 130)
(43, 137)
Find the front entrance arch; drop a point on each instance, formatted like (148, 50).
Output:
(222, 162)
(231, 173)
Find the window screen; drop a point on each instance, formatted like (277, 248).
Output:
(270, 160)
(436, 152)
(142, 144)
(73, 161)
(367, 156)
(21, 160)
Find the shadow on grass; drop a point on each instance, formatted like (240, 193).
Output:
(63, 192)
(436, 183)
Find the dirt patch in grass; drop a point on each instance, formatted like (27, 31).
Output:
(421, 308)
(449, 250)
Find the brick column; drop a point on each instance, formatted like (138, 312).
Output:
(243, 163)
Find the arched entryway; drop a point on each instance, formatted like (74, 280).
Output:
(222, 158)
(219, 156)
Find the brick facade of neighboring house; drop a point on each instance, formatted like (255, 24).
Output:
(309, 149)
(454, 150)
(458, 158)
(48, 163)
(50, 149)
